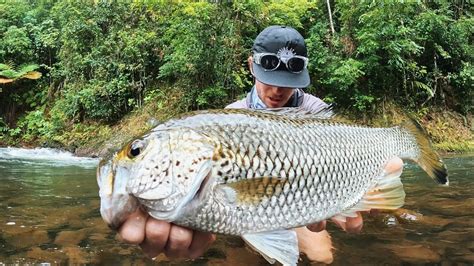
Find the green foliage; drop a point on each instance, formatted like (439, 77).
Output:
(108, 54)
(288, 12)
(34, 125)
(3, 128)
(211, 96)
(16, 43)
(102, 60)
(204, 52)
(383, 51)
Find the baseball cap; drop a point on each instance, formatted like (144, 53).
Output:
(278, 39)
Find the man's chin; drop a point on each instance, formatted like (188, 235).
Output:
(274, 104)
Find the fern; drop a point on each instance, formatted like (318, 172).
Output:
(8, 74)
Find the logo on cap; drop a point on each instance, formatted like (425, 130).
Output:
(285, 54)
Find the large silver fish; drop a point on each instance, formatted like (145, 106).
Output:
(258, 174)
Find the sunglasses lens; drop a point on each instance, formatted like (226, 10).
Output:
(295, 64)
(269, 62)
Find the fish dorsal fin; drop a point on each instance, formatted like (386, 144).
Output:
(301, 113)
(280, 245)
(387, 194)
(252, 191)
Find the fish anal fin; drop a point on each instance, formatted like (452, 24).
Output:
(254, 190)
(388, 194)
(280, 245)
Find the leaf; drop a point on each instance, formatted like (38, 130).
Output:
(32, 75)
(4, 81)
(29, 68)
(9, 73)
(4, 67)
(425, 87)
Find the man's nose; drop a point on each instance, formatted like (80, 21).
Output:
(277, 90)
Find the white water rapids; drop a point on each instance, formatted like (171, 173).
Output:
(46, 156)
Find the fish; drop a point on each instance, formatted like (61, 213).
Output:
(259, 173)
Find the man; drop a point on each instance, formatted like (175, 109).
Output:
(279, 66)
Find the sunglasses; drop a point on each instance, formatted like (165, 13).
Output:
(270, 62)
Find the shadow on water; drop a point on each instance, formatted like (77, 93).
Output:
(50, 214)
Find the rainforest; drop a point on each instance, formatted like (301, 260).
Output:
(87, 75)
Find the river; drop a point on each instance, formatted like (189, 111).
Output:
(49, 209)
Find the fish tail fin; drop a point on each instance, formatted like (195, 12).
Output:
(427, 158)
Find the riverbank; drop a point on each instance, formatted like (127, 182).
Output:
(449, 131)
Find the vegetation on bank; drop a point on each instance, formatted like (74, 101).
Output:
(109, 68)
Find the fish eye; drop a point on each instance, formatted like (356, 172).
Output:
(136, 148)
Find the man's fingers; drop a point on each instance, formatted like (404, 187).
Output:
(157, 233)
(317, 227)
(352, 224)
(201, 241)
(132, 230)
(341, 224)
(179, 240)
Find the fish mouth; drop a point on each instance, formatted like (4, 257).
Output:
(115, 215)
(116, 204)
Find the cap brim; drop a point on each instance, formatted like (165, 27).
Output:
(282, 78)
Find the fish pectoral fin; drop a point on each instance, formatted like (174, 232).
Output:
(252, 191)
(388, 194)
(226, 194)
(280, 245)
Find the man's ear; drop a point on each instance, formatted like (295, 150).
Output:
(250, 61)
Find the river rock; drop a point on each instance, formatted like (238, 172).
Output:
(26, 238)
(415, 253)
(464, 235)
(70, 238)
(98, 237)
(76, 255)
(409, 216)
(161, 258)
(466, 258)
(239, 257)
(48, 256)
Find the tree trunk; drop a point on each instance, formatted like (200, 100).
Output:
(330, 17)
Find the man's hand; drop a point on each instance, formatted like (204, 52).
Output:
(155, 237)
(351, 225)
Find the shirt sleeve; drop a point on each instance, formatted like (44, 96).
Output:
(241, 104)
(312, 103)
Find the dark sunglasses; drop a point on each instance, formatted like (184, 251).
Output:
(271, 62)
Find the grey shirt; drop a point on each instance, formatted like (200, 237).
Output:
(305, 101)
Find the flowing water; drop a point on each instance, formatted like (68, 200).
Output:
(49, 213)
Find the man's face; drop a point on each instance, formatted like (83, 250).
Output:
(271, 96)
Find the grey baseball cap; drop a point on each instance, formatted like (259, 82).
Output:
(278, 39)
